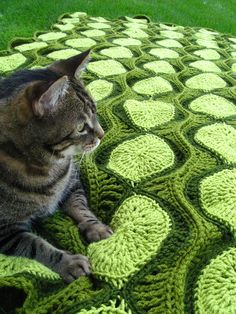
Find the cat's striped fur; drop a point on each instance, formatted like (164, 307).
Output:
(45, 115)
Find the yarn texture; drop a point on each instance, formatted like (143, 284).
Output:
(163, 177)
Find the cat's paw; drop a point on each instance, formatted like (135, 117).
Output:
(97, 232)
(73, 266)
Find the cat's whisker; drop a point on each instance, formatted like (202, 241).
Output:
(81, 158)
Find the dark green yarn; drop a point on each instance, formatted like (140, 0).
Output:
(169, 281)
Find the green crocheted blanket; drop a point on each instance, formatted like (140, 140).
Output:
(164, 177)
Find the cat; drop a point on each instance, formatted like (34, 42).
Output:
(46, 116)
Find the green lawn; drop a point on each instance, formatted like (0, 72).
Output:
(23, 17)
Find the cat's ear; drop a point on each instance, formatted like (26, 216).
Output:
(72, 66)
(48, 101)
(39, 100)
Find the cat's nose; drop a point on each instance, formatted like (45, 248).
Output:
(99, 132)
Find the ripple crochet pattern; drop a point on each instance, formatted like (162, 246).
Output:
(164, 176)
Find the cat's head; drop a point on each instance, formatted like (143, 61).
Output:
(47, 112)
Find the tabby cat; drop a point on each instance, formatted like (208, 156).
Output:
(46, 116)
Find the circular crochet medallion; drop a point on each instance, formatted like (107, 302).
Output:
(171, 34)
(206, 81)
(93, 33)
(151, 86)
(159, 67)
(207, 43)
(9, 63)
(218, 196)
(205, 66)
(64, 27)
(127, 42)
(216, 287)
(207, 54)
(135, 33)
(63, 54)
(219, 138)
(169, 43)
(164, 53)
(117, 52)
(31, 46)
(141, 157)
(100, 89)
(140, 225)
(106, 67)
(52, 36)
(213, 105)
(149, 113)
(80, 42)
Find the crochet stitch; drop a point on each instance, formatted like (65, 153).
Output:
(163, 177)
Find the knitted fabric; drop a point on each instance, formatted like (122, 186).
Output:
(163, 177)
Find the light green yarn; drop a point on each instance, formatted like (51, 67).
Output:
(152, 86)
(133, 242)
(127, 42)
(13, 265)
(52, 36)
(202, 35)
(30, 46)
(149, 113)
(78, 14)
(169, 43)
(9, 63)
(135, 33)
(99, 25)
(214, 105)
(233, 54)
(171, 27)
(110, 309)
(207, 54)
(136, 25)
(159, 67)
(233, 67)
(93, 33)
(171, 34)
(141, 157)
(72, 20)
(100, 89)
(206, 31)
(99, 19)
(205, 66)
(63, 54)
(64, 27)
(216, 287)
(220, 138)
(207, 43)
(218, 196)
(106, 67)
(164, 154)
(80, 42)
(117, 52)
(164, 53)
(206, 81)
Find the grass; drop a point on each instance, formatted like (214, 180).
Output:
(21, 18)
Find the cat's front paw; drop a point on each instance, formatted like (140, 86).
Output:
(73, 266)
(97, 232)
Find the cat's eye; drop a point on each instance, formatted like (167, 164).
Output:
(81, 127)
